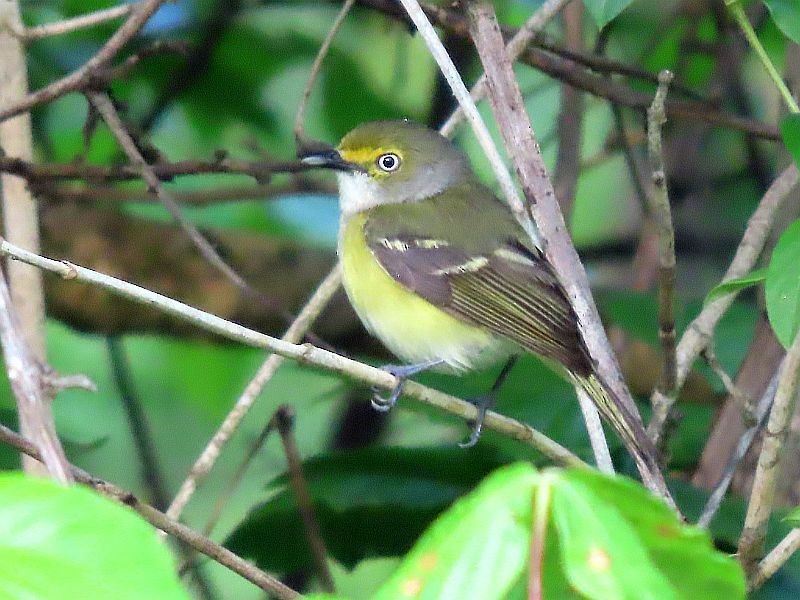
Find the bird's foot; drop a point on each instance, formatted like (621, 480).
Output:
(483, 404)
(401, 373)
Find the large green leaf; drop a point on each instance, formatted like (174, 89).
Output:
(478, 549)
(604, 11)
(71, 543)
(605, 537)
(787, 15)
(790, 132)
(397, 491)
(782, 289)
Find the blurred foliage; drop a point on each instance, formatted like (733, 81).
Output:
(238, 92)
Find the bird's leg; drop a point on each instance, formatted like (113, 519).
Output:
(401, 373)
(485, 402)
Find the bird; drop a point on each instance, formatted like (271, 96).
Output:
(442, 273)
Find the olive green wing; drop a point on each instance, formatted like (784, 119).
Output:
(470, 259)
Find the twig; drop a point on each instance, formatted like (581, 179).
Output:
(159, 520)
(775, 559)
(735, 7)
(106, 109)
(208, 457)
(699, 332)
(751, 542)
(75, 23)
(594, 427)
(570, 119)
(739, 397)
(137, 420)
(204, 197)
(25, 376)
(461, 93)
(658, 200)
(522, 37)
(299, 119)
(304, 353)
(761, 412)
(283, 421)
(78, 78)
(510, 114)
(21, 225)
(569, 72)
(260, 170)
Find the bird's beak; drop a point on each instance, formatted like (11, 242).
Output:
(330, 159)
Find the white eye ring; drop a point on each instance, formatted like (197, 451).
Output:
(388, 162)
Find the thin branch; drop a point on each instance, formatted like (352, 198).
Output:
(21, 225)
(461, 93)
(137, 420)
(106, 109)
(208, 457)
(736, 395)
(259, 170)
(521, 144)
(570, 120)
(25, 377)
(79, 78)
(658, 200)
(520, 40)
(569, 72)
(204, 197)
(594, 427)
(776, 558)
(699, 332)
(75, 23)
(159, 520)
(299, 119)
(762, 496)
(283, 421)
(303, 354)
(761, 412)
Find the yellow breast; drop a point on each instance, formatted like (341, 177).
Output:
(411, 327)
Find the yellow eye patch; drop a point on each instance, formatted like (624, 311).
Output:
(365, 155)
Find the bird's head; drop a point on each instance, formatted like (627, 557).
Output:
(389, 162)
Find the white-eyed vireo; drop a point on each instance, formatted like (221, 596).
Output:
(441, 272)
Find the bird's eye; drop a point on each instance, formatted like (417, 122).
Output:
(388, 162)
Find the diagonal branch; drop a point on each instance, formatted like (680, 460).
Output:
(304, 353)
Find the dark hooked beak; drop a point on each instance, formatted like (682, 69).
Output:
(330, 158)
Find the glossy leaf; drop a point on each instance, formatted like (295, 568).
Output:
(396, 491)
(787, 16)
(604, 11)
(71, 543)
(790, 132)
(478, 549)
(793, 518)
(736, 285)
(782, 289)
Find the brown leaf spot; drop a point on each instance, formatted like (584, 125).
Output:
(428, 561)
(599, 560)
(411, 587)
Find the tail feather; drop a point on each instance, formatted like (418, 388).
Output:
(629, 427)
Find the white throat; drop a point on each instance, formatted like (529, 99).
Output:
(358, 192)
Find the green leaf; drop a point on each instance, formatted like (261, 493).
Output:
(604, 538)
(635, 527)
(604, 11)
(736, 285)
(397, 491)
(782, 290)
(793, 518)
(71, 543)
(790, 132)
(477, 549)
(787, 16)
